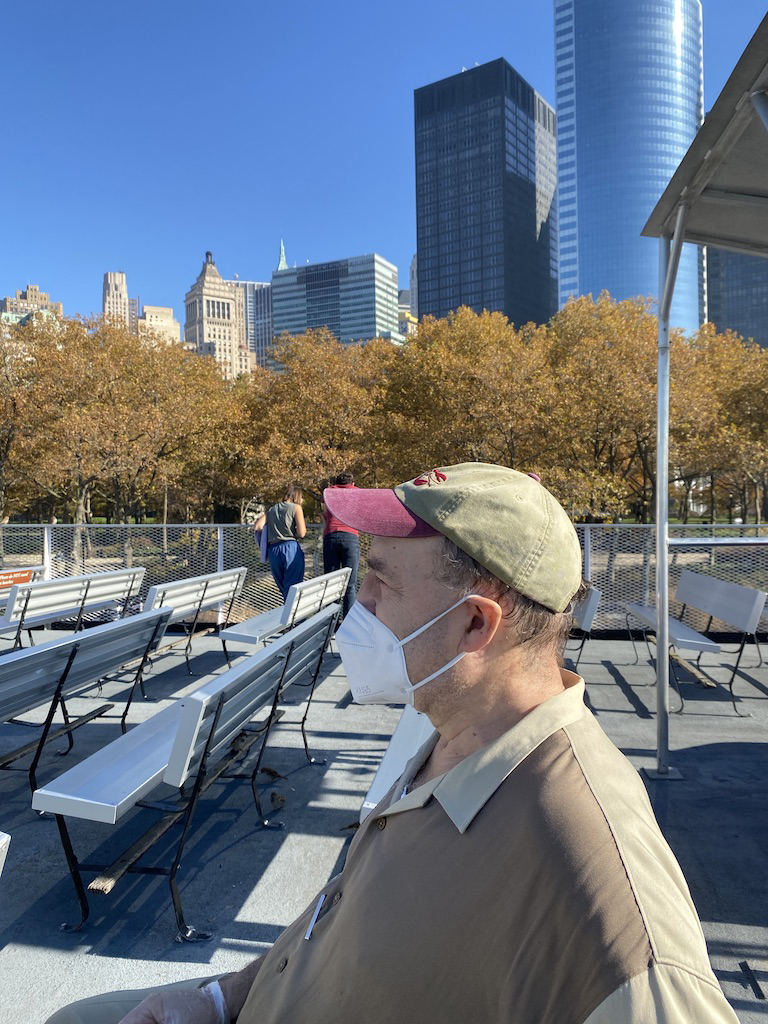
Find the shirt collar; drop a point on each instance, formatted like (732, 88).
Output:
(466, 788)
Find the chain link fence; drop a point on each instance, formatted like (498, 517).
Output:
(618, 559)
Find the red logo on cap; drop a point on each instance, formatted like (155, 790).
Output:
(434, 476)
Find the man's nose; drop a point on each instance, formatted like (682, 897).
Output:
(366, 593)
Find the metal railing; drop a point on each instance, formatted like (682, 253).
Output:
(619, 559)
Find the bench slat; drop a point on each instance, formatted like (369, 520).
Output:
(731, 603)
(111, 781)
(302, 601)
(185, 596)
(680, 634)
(28, 677)
(243, 699)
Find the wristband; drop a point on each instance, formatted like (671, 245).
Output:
(213, 989)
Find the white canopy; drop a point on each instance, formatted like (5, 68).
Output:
(717, 196)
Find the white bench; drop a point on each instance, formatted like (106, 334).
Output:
(70, 597)
(5, 841)
(303, 599)
(189, 598)
(583, 617)
(53, 672)
(732, 603)
(188, 745)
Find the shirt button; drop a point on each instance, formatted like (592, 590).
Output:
(283, 964)
(382, 823)
(336, 898)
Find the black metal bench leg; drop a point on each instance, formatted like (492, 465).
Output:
(74, 871)
(732, 680)
(634, 645)
(676, 684)
(226, 652)
(581, 648)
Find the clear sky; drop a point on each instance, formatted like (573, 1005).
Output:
(137, 136)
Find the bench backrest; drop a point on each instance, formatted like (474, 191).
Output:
(29, 677)
(5, 841)
(585, 610)
(67, 595)
(732, 603)
(246, 689)
(197, 593)
(310, 596)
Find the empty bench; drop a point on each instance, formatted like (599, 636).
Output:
(303, 599)
(189, 598)
(189, 746)
(70, 597)
(732, 603)
(53, 672)
(583, 618)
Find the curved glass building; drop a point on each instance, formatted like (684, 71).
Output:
(629, 102)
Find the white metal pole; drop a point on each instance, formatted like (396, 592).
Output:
(669, 259)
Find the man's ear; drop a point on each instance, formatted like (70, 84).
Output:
(484, 618)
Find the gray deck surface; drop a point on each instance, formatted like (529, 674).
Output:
(245, 884)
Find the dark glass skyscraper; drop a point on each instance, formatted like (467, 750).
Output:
(629, 102)
(737, 292)
(486, 216)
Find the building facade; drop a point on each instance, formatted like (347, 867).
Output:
(257, 296)
(486, 213)
(215, 321)
(356, 299)
(414, 286)
(737, 293)
(160, 321)
(114, 297)
(31, 300)
(629, 102)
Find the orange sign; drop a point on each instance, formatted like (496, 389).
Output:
(7, 579)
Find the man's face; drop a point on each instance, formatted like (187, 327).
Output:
(400, 589)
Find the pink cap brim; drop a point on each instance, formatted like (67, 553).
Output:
(377, 511)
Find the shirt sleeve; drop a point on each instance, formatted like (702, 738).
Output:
(665, 994)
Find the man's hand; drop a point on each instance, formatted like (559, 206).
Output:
(190, 1006)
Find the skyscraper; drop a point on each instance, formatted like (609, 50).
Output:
(114, 298)
(629, 102)
(486, 216)
(355, 298)
(737, 293)
(257, 296)
(215, 321)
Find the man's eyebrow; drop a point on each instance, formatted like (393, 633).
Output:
(379, 565)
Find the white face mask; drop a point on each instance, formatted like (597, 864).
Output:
(374, 660)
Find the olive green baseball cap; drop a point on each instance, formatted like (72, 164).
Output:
(506, 520)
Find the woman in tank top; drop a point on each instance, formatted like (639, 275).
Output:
(285, 527)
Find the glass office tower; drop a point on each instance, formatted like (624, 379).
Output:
(629, 102)
(355, 298)
(737, 293)
(486, 217)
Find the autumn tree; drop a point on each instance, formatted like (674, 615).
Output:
(468, 388)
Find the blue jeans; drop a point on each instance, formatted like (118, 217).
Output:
(342, 549)
(286, 560)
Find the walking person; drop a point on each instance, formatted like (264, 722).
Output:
(285, 527)
(341, 543)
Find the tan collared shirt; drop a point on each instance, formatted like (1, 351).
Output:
(529, 884)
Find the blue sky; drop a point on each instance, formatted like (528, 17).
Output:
(137, 136)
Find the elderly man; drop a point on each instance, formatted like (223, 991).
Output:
(515, 873)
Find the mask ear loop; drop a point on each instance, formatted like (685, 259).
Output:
(421, 629)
